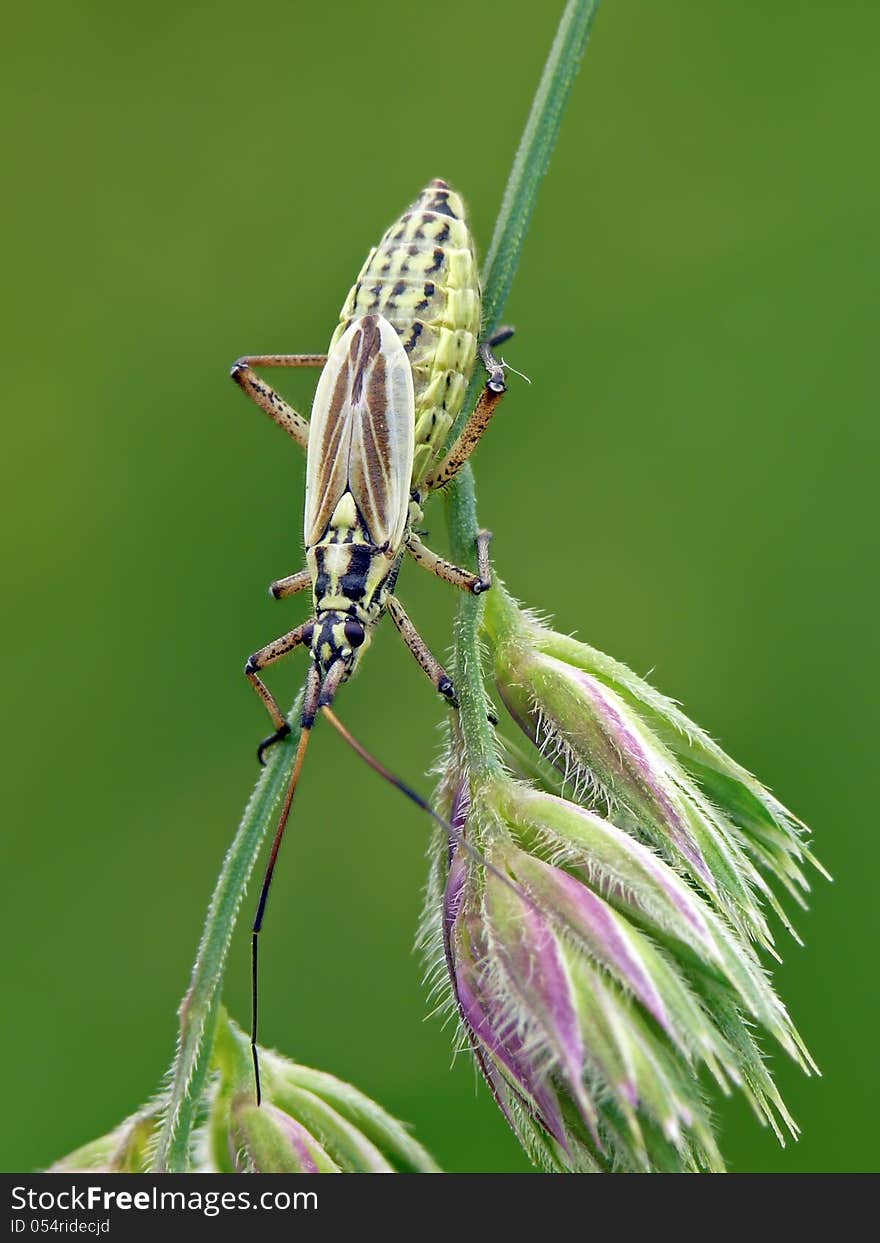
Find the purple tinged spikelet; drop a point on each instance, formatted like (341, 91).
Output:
(602, 954)
(309, 1122)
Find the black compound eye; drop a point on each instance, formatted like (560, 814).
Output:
(354, 632)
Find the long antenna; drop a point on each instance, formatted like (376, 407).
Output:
(451, 831)
(456, 834)
(264, 894)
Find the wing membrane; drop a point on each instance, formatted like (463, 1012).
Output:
(382, 440)
(362, 433)
(329, 445)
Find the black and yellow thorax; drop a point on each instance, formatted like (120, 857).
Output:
(349, 573)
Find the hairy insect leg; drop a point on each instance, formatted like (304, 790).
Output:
(473, 431)
(266, 656)
(280, 411)
(463, 579)
(484, 539)
(423, 654)
(500, 335)
(290, 586)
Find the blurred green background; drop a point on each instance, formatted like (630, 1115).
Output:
(696, 309)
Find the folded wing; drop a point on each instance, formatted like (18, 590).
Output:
(361, 437)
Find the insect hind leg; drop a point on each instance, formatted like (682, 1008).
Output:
(475, 428)
(278, 410)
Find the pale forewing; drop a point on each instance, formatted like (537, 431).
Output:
(383, 437)
(329, 440)
(362, 433)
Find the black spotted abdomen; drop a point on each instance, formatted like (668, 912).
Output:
(422, 277)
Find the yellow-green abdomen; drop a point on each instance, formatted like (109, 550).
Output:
(422, 277)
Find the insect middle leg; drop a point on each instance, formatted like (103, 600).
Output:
(290, 586)
(423, 654)
(266, 656)
(454, 574)
(472, 432)
(280, 411)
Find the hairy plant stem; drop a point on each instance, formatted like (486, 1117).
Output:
(199, 1009)
(520, 195)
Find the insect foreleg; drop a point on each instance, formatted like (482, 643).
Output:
(423, 654)
(472, 432)
(290, 586)
(463, 579)
(280, 411)
(268, 655)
